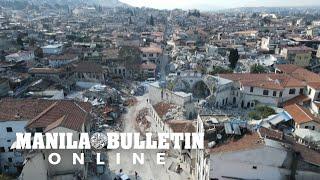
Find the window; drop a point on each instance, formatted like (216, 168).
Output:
(251, 89)
(9, 159)
(8, 140)
(265, 92)
(9, 129)
(318, 95)
(280, 94)
(292, 91)
(254, 167)
(301, 91)
(309, 91)
(274, 93)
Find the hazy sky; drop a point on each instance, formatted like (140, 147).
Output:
(207, 4)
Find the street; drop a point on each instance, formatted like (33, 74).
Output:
(150, 170)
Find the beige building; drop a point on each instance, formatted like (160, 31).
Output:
(299, 56)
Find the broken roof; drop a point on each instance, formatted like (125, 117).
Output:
(248, 141)
(184, 126)
(162, 108)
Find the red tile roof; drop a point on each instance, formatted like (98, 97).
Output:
(300, 114)
(299, 73)
(287, 68)
(73, 114)
(151, 49)
(315, 85)
(18, 109)
(268, 81)
(300, 99)
(148, 65)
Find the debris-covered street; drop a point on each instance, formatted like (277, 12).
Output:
(150, 169)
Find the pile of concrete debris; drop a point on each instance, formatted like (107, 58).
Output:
(130, 102)
(141, 120)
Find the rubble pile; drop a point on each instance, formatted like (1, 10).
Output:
(141, 119)
(130, 102)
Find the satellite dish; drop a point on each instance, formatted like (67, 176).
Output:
(219, 136)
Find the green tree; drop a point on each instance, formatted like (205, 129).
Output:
(233, 58)
(257, 69)
(261, 112)
(220, 70)
(19, 40)
(151, 21)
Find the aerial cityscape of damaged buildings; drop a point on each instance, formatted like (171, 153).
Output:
(248, 78)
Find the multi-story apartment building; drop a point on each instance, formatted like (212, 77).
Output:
(151, 53)
(247, 90)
